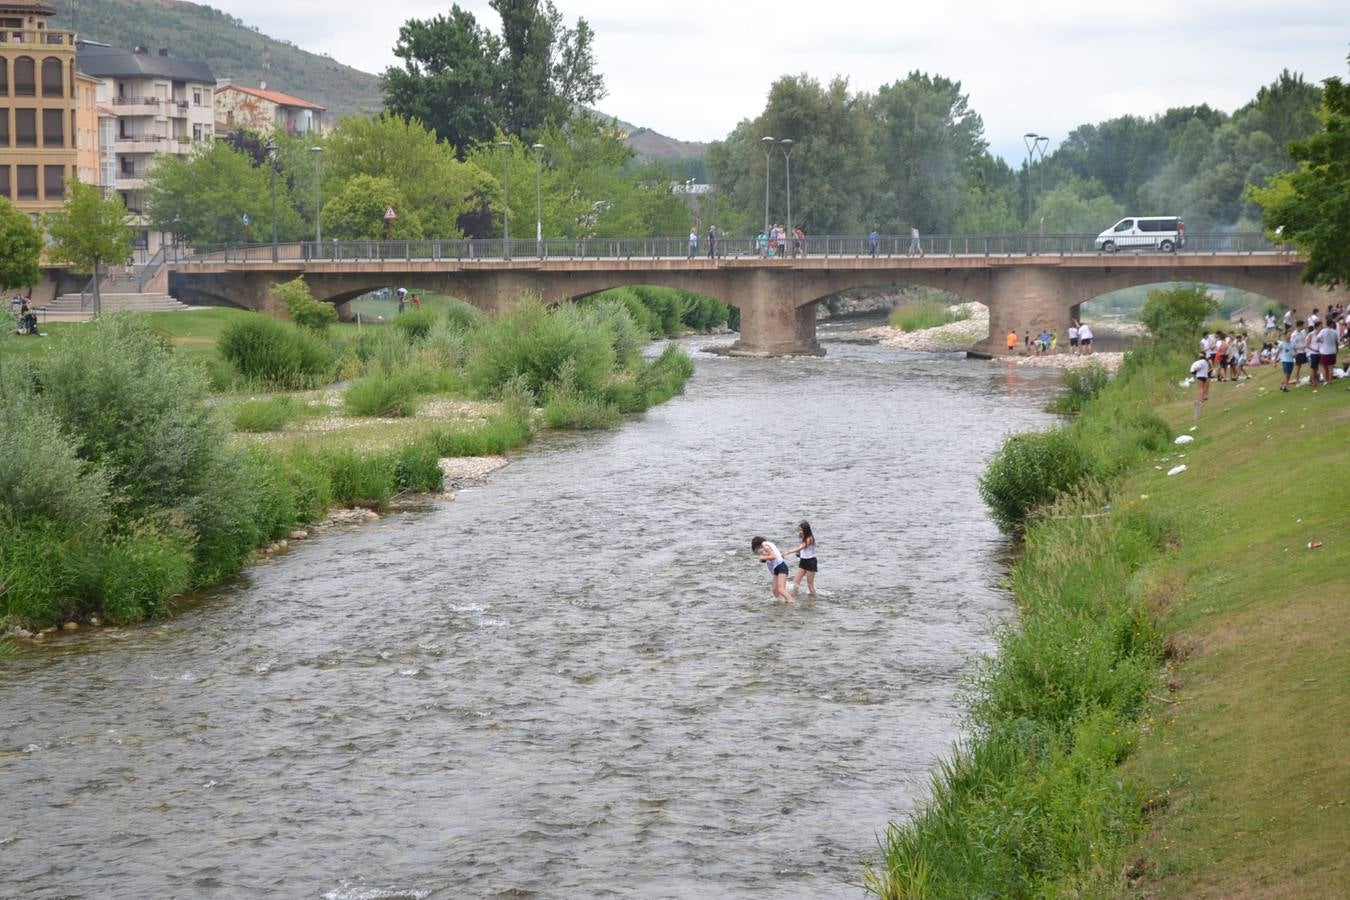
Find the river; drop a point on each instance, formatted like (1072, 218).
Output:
(570, 682)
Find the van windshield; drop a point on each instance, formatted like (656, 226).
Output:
(1125, 225)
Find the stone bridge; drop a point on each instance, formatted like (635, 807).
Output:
(776, 297)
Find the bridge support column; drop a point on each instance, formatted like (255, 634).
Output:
(770, 326)
(1024, 299)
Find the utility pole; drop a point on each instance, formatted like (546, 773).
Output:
(767, 143)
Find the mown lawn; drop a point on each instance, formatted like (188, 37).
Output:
(1247, 767)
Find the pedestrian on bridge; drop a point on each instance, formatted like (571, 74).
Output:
(915, 245)
(873, 241)
(693, 242)
(712, 241)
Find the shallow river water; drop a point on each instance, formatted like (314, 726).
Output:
(570, 682)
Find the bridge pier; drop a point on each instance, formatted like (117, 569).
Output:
(772, 323)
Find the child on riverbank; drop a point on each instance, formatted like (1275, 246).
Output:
(806, 559)
(773, 560)
(1200, 369)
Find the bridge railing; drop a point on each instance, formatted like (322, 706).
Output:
(734, 247)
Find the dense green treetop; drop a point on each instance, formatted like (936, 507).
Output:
(20, 247)
(466, 83)
(1311, 205)
(203, 198)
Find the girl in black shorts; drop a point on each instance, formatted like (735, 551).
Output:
(806, 558)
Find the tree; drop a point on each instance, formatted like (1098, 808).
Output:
(20, 247)
(304, 310)
(88, 232)
(204, 198)
(466, 83)
(1175, 315)
(356, 211)
(1311, 205)
(449, 196)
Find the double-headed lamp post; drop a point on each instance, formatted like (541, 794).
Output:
(1042, 143)
(786, 144)
(272, 165)
(539, 195)
(506, 199)
(318, 198)
(767, 143)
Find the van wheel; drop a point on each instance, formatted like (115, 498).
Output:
(1167, 246)
(1109, 246)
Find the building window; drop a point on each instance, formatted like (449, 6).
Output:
(4, 182)
(196, 97)
(4, 126)
(54, 182)
(197, 131)
(128, 166)
(25, 127)
(4, 76)
(51, 77)
(24, 77)
(53, 128)
(27, 182)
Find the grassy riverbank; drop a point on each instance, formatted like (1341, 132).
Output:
(148, 454)
(1163, 717)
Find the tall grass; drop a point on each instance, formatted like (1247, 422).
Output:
(925, 313)
(276, 353)
(268, 414)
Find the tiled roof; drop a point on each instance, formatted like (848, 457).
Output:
(276, 97)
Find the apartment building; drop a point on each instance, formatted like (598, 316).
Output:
(147, 103)
(86, 129)
(37, 107)
(265, 112)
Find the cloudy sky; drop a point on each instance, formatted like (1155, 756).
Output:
(692, 69)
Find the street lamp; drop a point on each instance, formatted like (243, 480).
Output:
(318, 199)
(1030, 139)
(767, 143)
(1041, 143)
(506, 200)
(786, 144)
(538, 196)
(272, 164)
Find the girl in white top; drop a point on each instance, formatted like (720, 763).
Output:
(1200, 369)
(773, 560)
(1085, 339)
(1327, 339)
(806, 559)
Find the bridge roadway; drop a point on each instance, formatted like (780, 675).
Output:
(776, 297)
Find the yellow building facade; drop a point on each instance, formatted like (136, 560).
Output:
(86, 129)
(38, 122)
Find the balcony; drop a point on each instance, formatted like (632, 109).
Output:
(129, 182)
(38, 39)
(140, 143)
(138, 106)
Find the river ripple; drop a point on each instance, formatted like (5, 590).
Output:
(568, 683)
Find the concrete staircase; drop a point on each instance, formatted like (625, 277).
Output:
(74, 308)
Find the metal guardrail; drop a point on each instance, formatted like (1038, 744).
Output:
(813, 246)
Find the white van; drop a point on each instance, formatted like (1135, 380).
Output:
(1165, 233)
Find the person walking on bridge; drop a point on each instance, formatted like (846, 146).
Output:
(873, 240)
(915, 245)
(712, 241)
(693, 242)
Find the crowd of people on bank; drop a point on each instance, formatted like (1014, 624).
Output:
(1313, 342)
(1046, 342)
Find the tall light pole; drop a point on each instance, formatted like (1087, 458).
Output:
(539, 196)
(318, 198)
(767, 143)
(272, 164)
(786, 144)
(506, 200)
(1030, 139)
(1041, 143)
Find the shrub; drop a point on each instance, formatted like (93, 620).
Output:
(461, 316)
(389, 396)
(1175, 315)
(1081, 384)
(665, 376)
(565, 407)
(133, 410)
(43, 569)
(418, 467)
(926, 313)
(533, 343)
(270, 414)
(1028, 471)
(275, 353)
(415, 324)
(141, 569)
(40, 473)
(304, 310)
(358, 479)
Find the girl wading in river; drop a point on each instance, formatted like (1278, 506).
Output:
(773, 560)
(806, 559)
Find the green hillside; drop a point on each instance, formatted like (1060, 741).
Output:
(232, 49)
